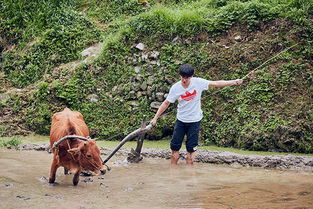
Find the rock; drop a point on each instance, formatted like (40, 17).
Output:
(144, 57)
(154, 55)
(155, 105)
(149, 70)
(88, 52)
(138, 78)
(159, 96)
(150, 80)
(139, 94)
(176, 40)
(140, 46)
(132, 94)
(133, 103)
(153, 95)
(91, 52)
(137, 69)
(4, 97)
(155, 62)
(149, 91)
(238, 38)
(136, 87)
(143, 86)
(169, 80)
(42, 147)
(114, 88)
(93, 98)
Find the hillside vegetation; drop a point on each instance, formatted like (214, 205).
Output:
(115, 82)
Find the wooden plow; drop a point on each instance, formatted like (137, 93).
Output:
(134, 155)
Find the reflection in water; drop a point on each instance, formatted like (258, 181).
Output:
(150, 184)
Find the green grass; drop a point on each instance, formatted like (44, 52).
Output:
(160, 144)
(14, 141)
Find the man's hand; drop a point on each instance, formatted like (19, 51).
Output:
(238, 81)
(153, 121)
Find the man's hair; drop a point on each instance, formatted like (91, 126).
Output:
(186, 71)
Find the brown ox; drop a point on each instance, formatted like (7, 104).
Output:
(73, 154)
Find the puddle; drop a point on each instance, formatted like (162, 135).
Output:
(150, 184)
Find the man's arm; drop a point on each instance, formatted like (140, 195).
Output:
(161, 109)
(225, 83)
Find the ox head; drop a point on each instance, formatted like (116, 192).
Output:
(88, 154)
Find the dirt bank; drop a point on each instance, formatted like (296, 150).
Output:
(205, 156)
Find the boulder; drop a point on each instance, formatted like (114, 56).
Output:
(140, 46)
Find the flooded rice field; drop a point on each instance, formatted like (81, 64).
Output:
(150, 184)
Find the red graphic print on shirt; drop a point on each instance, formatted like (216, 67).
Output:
(189, 96)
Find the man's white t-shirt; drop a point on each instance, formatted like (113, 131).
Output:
(189, 99)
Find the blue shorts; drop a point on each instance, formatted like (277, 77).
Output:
(180, 130)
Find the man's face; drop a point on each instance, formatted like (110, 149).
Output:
(185, 80)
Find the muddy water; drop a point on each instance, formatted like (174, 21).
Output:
(150, 184)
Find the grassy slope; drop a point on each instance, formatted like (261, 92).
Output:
(273, 111)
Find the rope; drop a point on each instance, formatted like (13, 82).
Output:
(251, 72)
(269, 60)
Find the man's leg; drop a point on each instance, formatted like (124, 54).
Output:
(174, 157)
(177, 140)
(192, 141)
(190, 158)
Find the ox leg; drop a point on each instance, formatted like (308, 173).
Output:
(53, 170)
(76, 177)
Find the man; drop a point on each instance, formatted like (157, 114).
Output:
(189, 114)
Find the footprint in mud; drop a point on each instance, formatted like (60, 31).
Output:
(121, 163)
(303, 193)
(283, 199)
(22, 197)
(54, 196)
(86, 173)
(128, 189)
(9, 185)
(86, 180)
(104, 185)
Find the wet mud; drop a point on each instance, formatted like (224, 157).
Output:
(152, 183)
